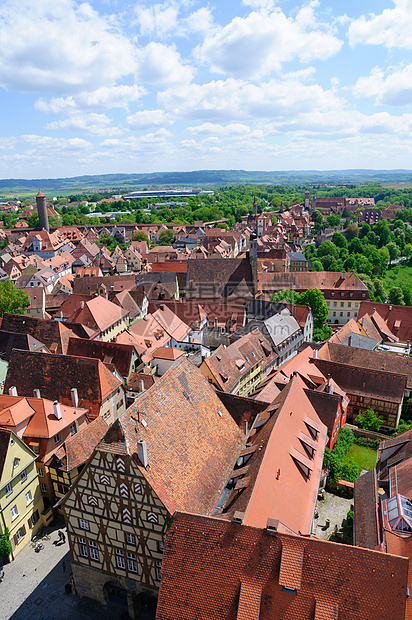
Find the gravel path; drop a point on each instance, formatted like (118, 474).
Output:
(335, 509)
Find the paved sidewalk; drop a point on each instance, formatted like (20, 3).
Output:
(34, 585)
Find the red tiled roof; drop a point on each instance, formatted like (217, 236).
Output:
(397, 319)
(207, 583)
(78, 448)
(190, 454)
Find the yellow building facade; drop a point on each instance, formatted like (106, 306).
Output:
(21, 502)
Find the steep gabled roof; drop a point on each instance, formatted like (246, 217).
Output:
(78, 448)
(120, 355)
(281, 478)
(192, 441)
(374, 360)
(219, 278)
(366, 527)
(398, 319)
(93, 381)
(52, 333)
(215, 569)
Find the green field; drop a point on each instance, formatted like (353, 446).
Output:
(399, 275)
(363, 456)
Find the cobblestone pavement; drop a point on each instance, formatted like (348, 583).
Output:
(34, 585)
(334, 508)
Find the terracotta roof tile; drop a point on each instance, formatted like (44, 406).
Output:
(361, 584)
(376, 360)
(28, 371)
(190, 454)
(249, 601)
(78, 448)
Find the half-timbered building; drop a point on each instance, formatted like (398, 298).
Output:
(173, 449)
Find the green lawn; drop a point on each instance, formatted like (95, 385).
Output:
(399, 275)
(363, 456)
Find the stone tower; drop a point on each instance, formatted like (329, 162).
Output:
(42, 211)
(254, 206)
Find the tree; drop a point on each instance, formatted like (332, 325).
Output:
(393, 249)
(333, 220)
(12, 299)
(5, 546)
(288, 295)
(407, 250)
(166, 237)
(317, 217)
(369, 420)
(315, 300)
(396, 297)
(140, 236)
(352, 231)
(339, 240)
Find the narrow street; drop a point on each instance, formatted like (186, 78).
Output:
(33, 587)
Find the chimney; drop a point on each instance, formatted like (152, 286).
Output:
(272, 526)
(343, 275)
(36, 393)
(56, 409)
(142, 453)
(246, 428)
(13, 391)
(327, 388)
(82, 305)
(350, 341)
(75, 397)
(390, 308)
(141, 385)
(61, 314)
(315, 354)
(238, 516)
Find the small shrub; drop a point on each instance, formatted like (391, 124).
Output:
(350, 471)
(333, 459)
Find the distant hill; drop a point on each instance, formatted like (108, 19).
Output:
(203, 178)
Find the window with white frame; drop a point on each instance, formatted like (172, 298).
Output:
(161, 546)
(73, 429)
(84, 525)
(8, 488)
(130, 539)
(16, 463)
(40, 472)
(34, 518)
(20, 534)
(94, 554)
(14, 512)
(131, 562)
(43, 487)
(57, 438)
(120, 559)
(23, 475)
(83, 548)
(28, 497)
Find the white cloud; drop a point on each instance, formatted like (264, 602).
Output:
(105, 97)
(259, 4)
(7, 144)
(260, 43)
(60, 47)
(45, 146)
(156, 140)
(161, 65)
(91, 124)
(391, 28)
(158, 19)
(233, 100)
(214, 129)
(395, 89)
(199, 21)
(148, 118)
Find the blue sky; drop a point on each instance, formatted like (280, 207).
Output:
(112, 86)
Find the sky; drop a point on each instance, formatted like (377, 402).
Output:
(111, 86)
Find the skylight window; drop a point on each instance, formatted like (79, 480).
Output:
(400, 514)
